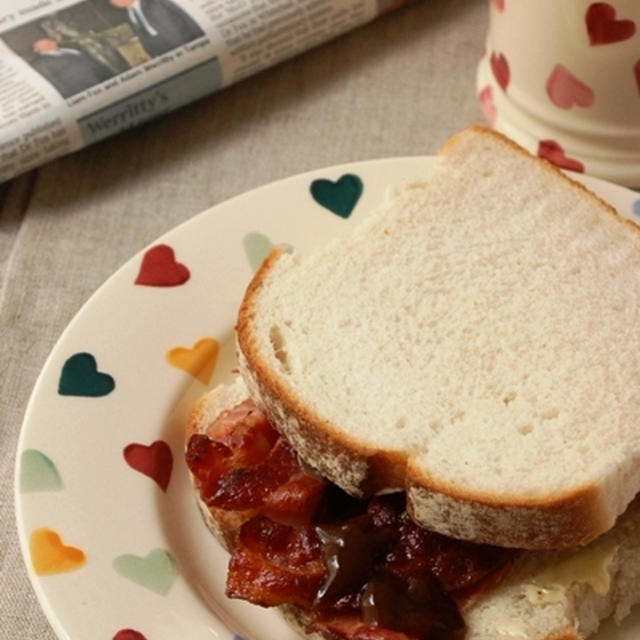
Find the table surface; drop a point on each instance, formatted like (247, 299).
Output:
(398, 86)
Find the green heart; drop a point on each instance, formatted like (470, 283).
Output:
(257, 246)
(80, 377)
(38, 472)
(339, 197)
(156, 571)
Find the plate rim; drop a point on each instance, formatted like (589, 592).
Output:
(27, 428)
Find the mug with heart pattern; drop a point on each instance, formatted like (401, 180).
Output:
(562, 78)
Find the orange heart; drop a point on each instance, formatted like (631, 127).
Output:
(49, 555)
(199, 360)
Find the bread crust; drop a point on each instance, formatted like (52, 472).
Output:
(574, 516)
(571, 518)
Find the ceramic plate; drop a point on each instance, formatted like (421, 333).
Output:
(111, 536)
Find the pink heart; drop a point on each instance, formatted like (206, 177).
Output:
(485, 97)
(500, 68)
(602, 26)
(554, 153)
(154, 461)
(159, 268)
(565, 90)
(498, 4)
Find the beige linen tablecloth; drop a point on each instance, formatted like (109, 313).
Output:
(399, 86)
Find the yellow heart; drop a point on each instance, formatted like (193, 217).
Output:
(49, 555)
(199, 360)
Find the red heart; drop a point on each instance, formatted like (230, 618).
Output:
(602, 26)
(154, 461)
(159, 268)
(636, 70)
(500, 68)
(554, 153)
(498, 4)
(565, 90)
(128, 634)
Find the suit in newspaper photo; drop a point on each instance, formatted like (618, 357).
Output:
(161, 25)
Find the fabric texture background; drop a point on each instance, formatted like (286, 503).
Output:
(398, 86)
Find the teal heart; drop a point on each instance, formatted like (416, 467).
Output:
(257, 247)
(80, 377)
(339, 197)
(155, 571)
(38, 472)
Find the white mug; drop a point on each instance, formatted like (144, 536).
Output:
(562, 78)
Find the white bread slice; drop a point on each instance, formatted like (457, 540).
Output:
(475, 341)
(549, 595)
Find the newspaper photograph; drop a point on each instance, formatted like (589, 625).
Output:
(75, 72)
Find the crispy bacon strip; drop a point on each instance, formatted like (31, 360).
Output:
(275, 564)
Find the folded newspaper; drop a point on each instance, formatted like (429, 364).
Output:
(74, 72)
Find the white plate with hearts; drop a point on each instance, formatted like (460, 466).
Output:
(111, 536)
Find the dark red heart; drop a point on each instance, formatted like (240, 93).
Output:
(154, 461)
(602, 26)
(159, 268)
(636, 70)
(128, 634)
(554, 153)
(500, 68)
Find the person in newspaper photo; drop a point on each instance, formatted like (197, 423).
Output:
(68, 69)
(159, 24)
(94, 44)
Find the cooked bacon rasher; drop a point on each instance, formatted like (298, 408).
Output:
(356, 569)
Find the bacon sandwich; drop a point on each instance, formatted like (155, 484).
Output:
(432, 435)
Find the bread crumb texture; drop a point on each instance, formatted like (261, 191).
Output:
(564, 595)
